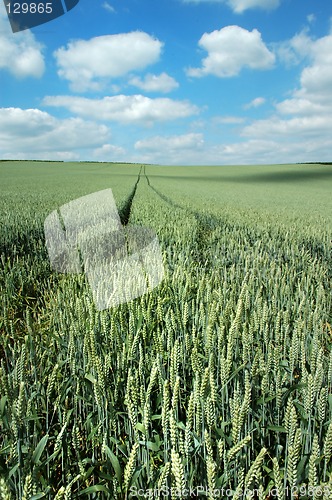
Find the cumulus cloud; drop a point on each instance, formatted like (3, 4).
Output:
(230, 50)
(109, 152)
(242, 152)
(32, 133)
(316, 79)
(295, 127)
(302, 123)
(90, 64)
(191, 149)
(21, 54)
(155, 83)
(240, 6)
(172, 150)
(255, 103)
(304, 107)
(125, 109)
(298, 131)
(295, 50)
(313, 97)
(268, 151)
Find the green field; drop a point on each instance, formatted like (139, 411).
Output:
(217, 381)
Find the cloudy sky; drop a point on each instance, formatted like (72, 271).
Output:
(171, 82)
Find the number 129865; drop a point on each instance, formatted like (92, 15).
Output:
(29, 8)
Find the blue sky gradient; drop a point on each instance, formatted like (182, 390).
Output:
(170, 82)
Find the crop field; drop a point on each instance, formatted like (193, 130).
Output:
(215, 384)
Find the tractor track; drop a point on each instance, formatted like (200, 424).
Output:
(124, 212)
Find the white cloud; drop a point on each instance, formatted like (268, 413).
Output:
(227, 120)
(155, 83)
(255, 103)
(31, 133)
(125, 109)
(297, 106)
(90, 64)
(299, 130)
(171, 143)
(42, 155)
(230, 50)
(304, 127)
(296, 49)
(173, 150)
(198, 124)
(314, 96)
(246, 152)
(268, 151)
(107, 6)
(240, 6)
(109, 152)
(281, 150)
(191, 149)
(21, 55)
(303, 123)
(316, 79)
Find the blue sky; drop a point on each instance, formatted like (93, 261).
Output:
(171, 82)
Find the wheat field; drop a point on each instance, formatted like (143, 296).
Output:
(217, 383)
